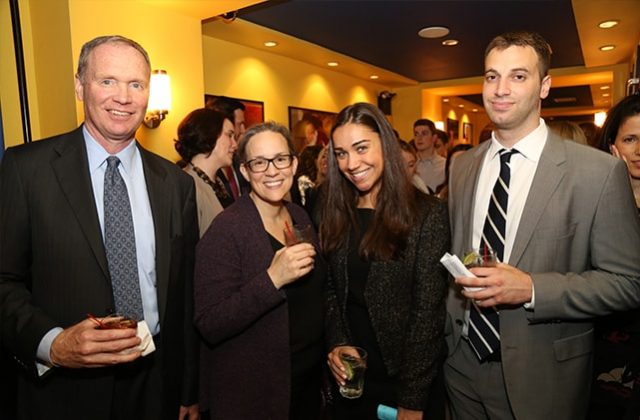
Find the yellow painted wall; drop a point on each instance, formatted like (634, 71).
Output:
(242, 72)
(174, 44)
(12, 127)
(52, 103)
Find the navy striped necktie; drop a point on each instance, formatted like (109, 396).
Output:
(484, 325)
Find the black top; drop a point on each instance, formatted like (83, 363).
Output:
(357, 312)
(306, 318)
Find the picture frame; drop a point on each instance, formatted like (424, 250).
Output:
(253, 112)
(300, 121)
(467, 132)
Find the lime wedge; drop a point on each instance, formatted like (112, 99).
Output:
(348, 371)
(470, 258)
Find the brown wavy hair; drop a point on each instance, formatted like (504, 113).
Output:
(395, 208)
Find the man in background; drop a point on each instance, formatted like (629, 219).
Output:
(430, 165)
(93, 224)
(442, 143)
(562, 220)
(234, 183)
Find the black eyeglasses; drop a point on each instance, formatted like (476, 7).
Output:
(261, 164)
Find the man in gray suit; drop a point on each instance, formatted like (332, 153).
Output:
(570, 243)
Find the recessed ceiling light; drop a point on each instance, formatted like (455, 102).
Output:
(445, 99)
(475, 110)
(604, 95)
(270, 43)
(374, 77)
(461, 106)
(332, 64)
(605, 87)
(433, 32)
(608, 24)
(607, 47)
(450, 42)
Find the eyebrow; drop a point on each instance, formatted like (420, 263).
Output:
(517, 69)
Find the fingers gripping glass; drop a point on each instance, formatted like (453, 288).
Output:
(261, 164)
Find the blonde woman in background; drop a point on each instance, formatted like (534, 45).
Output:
(568, 130)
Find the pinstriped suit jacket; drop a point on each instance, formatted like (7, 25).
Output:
(53, 271)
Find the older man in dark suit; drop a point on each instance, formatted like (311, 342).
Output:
(562, 219)
(92, 223)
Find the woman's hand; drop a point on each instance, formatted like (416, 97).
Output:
(334, 362)
(406, 414)
(290, 263)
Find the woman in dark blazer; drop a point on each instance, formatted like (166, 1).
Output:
(386, 289)
(259, 303)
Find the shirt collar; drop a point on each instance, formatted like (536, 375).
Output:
(97, 156)
(530, 146)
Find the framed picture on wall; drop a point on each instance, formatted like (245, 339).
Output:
(467, 132)
(452, 129)
(304, 123)
(253, 112)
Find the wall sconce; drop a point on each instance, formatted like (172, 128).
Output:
(599, 118)
(159, 98)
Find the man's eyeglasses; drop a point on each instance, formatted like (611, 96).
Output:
(261, 164)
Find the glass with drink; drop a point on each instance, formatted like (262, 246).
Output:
(354, 360)
(298, 234)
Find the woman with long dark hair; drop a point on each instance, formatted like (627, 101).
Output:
(386, 289)
(615, 392)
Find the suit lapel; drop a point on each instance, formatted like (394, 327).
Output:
(549, 174)
(469, 194)
(160, 202)
(71, 169)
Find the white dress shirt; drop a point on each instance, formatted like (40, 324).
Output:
(523, 168)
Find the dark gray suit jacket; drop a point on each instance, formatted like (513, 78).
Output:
(405, 299)
(53, 271)
(579, 237)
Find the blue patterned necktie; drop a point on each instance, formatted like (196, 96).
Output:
(120, 243)
(484, 323)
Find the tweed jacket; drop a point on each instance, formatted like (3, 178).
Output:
(245, 369)
(406, 303)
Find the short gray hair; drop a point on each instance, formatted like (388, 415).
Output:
(272, 126)
(89, 46)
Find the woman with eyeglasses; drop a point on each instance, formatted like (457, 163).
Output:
(259, 303)
(206, 142)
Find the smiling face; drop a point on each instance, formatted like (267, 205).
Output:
(272, 185)
(512, 91)
(358, 150)
(115, 92)
(226, 145)
(628, 144)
